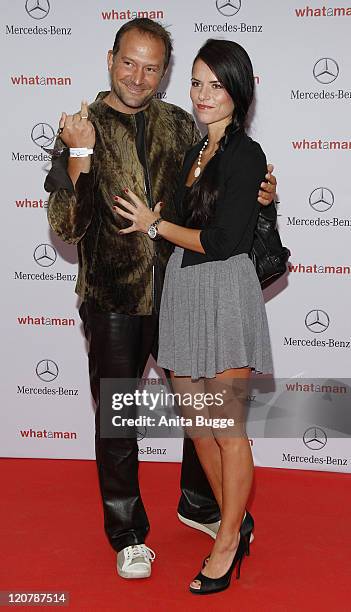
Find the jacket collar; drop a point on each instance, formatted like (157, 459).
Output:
(102, 94)
(193, 153)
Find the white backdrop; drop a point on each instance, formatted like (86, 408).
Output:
(55, 56)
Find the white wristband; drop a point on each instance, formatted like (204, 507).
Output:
(80, 152)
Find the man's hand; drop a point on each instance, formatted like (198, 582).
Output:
(268, 190)
(76, 130)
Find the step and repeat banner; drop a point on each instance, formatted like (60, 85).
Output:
(54, 56)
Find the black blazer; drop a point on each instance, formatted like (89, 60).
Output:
(242, 168)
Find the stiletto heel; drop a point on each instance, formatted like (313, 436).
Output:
(215, 585)
(246, 530)
(238, 568)
(246, 539)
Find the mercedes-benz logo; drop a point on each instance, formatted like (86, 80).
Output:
(317, 321)
(325, 70)
(45, 255)
(42, 135)
(37, 9)
(321, 199)
(228, 8)
(47, 370)
(315, 438)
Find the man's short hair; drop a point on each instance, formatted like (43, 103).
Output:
(146, 26)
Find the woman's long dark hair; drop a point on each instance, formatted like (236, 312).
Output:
(233, 69)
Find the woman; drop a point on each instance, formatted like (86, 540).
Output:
(213, 325)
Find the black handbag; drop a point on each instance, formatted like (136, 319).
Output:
(267, 253)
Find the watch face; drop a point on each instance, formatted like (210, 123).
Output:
(152, 231)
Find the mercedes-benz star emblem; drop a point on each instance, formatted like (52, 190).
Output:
(317, 321)
(37, 9)
(325, 70)
(45, 255)
(228, 8)
(315, 438)
(42, 135)
(321, 199)
(47, 370)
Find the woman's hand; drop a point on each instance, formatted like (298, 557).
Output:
(268, 190)
(138, 213)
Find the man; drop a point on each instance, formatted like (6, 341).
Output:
(126, 138)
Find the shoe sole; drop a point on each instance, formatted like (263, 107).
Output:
(202, 527)
(130, 576)
(198, 526)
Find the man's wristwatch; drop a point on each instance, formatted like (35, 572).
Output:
(152, 232)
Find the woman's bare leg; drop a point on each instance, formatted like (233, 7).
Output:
(236, 473)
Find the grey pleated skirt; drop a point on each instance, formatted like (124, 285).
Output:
(212, 318)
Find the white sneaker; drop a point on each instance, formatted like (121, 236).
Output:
(135, 561)
(210, 529)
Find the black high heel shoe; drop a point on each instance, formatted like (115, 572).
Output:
(246, 530)
(215, 585)
(245, 533)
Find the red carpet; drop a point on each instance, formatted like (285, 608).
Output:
(52, 540)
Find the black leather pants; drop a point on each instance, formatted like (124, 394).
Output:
(119, 347)
(197, 501)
